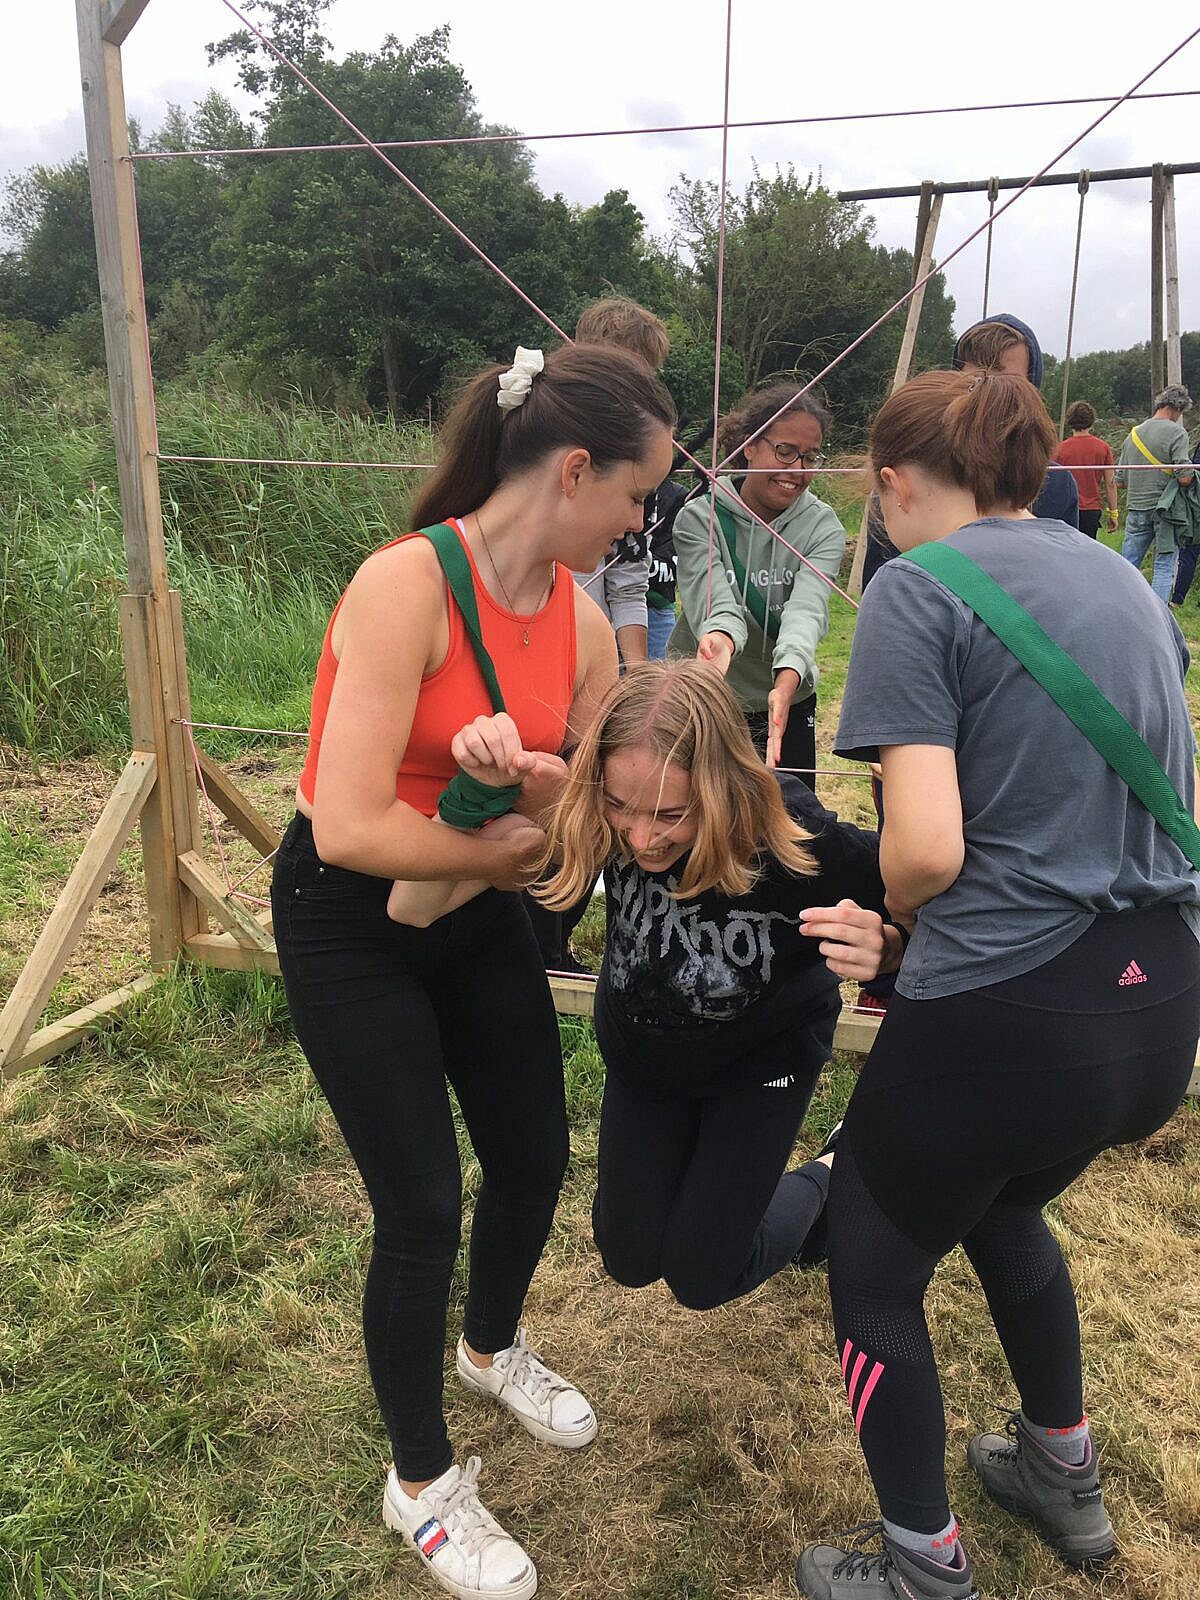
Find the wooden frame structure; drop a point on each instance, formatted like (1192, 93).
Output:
(191, 912)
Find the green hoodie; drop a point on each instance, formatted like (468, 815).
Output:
(794, 594)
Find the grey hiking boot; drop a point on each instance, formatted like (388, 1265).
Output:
(1064, 1503)
(832, 1572)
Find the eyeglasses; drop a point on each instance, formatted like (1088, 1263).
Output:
(788, 454)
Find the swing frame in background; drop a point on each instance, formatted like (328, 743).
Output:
(192, 913)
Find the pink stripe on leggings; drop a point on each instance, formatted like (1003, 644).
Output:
(868, 1391)
(855, 1375)
(847, 1352)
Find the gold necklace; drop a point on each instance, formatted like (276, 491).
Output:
(507, 598)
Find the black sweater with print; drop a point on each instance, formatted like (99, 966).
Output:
(690, 988)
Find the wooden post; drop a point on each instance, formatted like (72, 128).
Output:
(929, 213)
(1157, 197)
(156, 675)
(1066, 382)
(1171, 261)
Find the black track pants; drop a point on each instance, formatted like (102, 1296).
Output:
(972, 1113)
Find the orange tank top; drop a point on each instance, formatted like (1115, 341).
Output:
(537, 680)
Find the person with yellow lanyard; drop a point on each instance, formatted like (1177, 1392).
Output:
(1160, 441)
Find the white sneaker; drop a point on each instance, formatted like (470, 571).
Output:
(553, 1410)
(464, 1547)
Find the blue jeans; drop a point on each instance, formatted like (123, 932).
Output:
(660, 625)
(1139, 536)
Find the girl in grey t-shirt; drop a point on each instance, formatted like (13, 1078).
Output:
(1049, 1003)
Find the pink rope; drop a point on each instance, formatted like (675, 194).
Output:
(720, 323)
(971, 237)
(628, 133)
(257, 867)
(391, 165)
(212, 815)
(289, 461)
(233, 727)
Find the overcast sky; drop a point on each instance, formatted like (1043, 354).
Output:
(545, 66)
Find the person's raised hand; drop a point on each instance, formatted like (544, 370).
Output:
(489, 749)
(715, 649)
(779, 703)
(851, 940)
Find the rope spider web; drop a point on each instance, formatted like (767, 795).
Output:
(710, 472)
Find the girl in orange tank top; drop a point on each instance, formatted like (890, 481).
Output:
(542, 467)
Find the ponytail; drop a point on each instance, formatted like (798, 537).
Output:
(592, 397)
(990, 434)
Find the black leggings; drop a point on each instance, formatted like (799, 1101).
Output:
(694, 1191)
(386, 1014)
(971, 1113)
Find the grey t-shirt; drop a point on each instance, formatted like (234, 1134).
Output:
(1053, 835)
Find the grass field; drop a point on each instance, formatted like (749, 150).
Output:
(184, 1407)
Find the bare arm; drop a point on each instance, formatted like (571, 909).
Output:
(921, 850)
(390, 631)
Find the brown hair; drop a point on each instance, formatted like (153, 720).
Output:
(685, 713)
(1081, 415)
(985, 344)
(592, 397)
(623, 322)
(990, 434)
(754, 410)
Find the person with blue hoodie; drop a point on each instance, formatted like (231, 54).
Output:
(750, 606)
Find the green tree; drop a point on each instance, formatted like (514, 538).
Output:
(802, 279)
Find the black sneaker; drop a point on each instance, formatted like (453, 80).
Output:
(1064, 1503)
(832, 1572)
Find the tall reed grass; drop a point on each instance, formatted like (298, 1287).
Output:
(259, 553)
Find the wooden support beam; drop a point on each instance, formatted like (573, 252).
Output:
(929, 214)
(170, 823)
(118, 18)
(1171, 265)
(237, 809)
(235, 917)
(1157, 202)
(154, 660)
(222, 950)
(60, 1036)
(59, 937)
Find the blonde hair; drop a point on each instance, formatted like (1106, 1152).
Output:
(623, 322)
(685, 713)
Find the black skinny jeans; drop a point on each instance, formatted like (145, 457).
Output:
(386, 1015)
(692, 1188)
(971, 1114)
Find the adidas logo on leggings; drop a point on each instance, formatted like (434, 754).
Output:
(1132, 974)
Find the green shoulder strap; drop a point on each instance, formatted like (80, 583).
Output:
(753, 597)
(1067, 685)
(462, 586)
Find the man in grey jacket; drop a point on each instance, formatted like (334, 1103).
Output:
(1160, 440)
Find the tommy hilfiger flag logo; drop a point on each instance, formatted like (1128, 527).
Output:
(855, 1393)
(429, 1537)
(1132, 974)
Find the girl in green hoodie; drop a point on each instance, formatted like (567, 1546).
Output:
(749, 605)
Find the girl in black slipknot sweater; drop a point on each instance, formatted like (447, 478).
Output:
(735, 905)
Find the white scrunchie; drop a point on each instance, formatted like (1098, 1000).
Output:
(516, 383)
